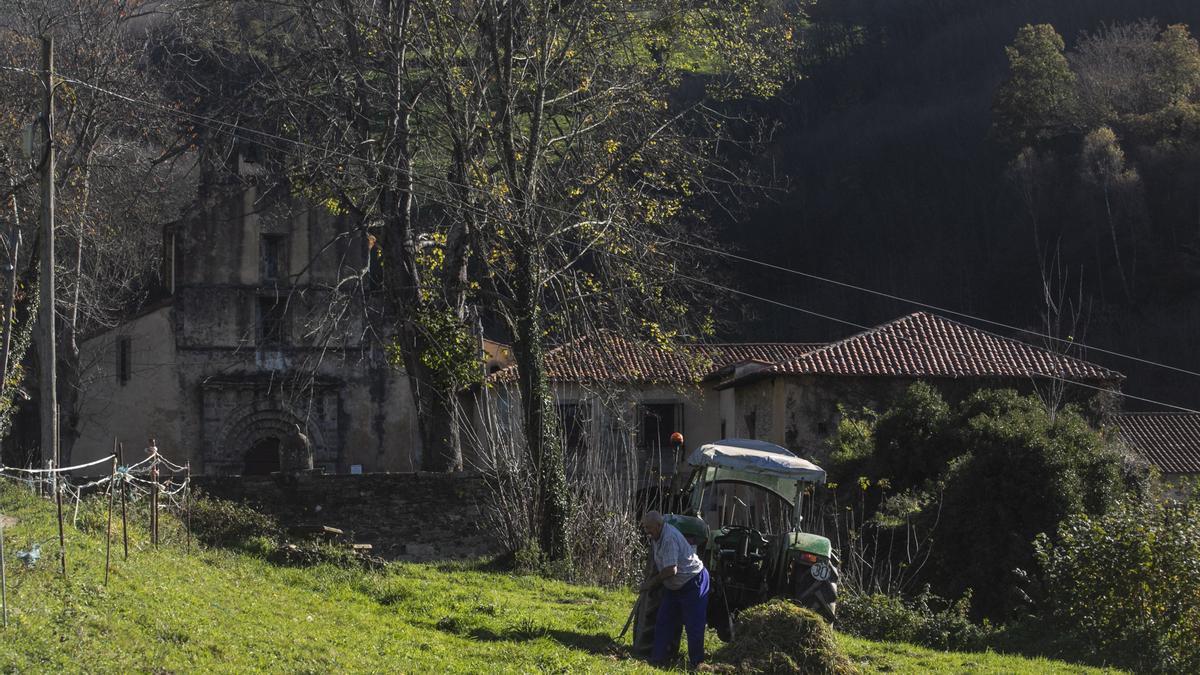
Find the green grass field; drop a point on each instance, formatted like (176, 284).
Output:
(165, 610)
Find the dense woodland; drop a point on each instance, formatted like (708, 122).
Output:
(896, 179)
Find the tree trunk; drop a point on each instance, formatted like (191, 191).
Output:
(434, 394)
(546, 453)
(436, 402)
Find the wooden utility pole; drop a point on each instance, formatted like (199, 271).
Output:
(47, 353)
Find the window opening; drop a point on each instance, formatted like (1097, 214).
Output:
(657, 422)
(271, 261)
(272, 321)
(124, 359)
(574, 419)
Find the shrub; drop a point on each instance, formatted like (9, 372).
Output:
(779, 637)
(980, 479)
(1128, 583)
(926, 620)
(219, 522)
(1022, 472)
(911, 445)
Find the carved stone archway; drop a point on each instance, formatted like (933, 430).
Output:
(251, 430)
(240, 416)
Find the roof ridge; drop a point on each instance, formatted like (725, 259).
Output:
(1157, 413)
(742, 344)
(861, 333)
(913, 319)
(1023, 343)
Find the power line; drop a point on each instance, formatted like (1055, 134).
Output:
(210, 122)
(918, 303)
(862, 327)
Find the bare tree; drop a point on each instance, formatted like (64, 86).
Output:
(112, 196)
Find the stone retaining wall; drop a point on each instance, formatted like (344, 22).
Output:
(406, 516)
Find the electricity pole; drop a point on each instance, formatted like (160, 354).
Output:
(47, 354)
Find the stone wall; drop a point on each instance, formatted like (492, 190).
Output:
(405, 516)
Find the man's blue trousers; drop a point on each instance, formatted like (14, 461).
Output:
(686, 607)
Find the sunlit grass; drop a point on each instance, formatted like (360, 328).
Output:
(165, 610)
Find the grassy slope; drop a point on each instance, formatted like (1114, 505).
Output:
(215, 610)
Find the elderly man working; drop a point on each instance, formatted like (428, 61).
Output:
(685, 590)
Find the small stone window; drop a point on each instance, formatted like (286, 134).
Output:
(272, 321)
(574, 420)
(124, 359)
(657, 421)
(272, 257)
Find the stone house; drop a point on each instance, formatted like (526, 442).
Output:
(626, 398)
(613, 391)
(795, 403)
(250, 340)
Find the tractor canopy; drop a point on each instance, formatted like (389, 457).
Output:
(756, 462)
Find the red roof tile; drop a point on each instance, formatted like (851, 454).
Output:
(607, 357)
(1169, 441)
(926, 345)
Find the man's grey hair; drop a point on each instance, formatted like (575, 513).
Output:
(652, 518)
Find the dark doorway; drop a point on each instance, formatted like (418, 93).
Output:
(263, 458)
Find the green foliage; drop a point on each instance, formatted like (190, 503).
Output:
(1022, 471)
(1038, 99)
(984, 476)
(1175, 75)
(219, 522)
(925, 620)
(854, 439)
(910, 437)
(779, 637)
(1103, 160)
(1127, 583)
(451, 352)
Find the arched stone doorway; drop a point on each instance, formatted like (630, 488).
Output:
(262, 458)
(238, 414)
(254, 439)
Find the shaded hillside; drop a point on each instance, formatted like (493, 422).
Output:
(895, 184)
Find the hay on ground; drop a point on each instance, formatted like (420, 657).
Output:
(780, 637)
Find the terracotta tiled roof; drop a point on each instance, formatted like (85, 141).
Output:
(728, 354)
(607, 357)
(927, 345)
(1169, 441)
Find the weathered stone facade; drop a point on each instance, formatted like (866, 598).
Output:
(250, 342)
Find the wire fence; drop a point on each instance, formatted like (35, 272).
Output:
(155, 481)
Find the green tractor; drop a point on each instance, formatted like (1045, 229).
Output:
(750, 556)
